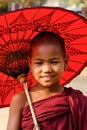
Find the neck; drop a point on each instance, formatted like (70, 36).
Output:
(56, 88)
(40, 92)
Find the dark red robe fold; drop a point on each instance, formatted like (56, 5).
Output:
(65, 111)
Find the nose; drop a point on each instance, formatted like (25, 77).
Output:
(47, 68)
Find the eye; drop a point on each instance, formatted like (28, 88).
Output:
(38, 63)
(54, 62)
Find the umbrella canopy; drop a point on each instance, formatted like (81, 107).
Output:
(19, 27)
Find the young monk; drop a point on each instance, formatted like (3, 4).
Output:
(56, 107)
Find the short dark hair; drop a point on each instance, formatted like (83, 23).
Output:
(51, 37)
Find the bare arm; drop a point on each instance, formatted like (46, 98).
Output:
(16, 107)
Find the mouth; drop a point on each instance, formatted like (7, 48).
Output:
(47, 77)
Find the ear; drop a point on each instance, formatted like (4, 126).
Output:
(66, 59)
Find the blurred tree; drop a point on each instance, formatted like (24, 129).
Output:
(3, 6)
(23, 3)
(29, 3)
(66, 3)
(26, 3)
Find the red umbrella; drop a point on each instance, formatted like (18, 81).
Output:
(19, 27)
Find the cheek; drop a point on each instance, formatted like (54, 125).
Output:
(35, 70)
(59, 68)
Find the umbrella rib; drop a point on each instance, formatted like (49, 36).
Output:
(74, 29)
(3, 52)
(5, 89)
(22, 46)
(30, 35)
(5, 49)
(63, 79)
(80, 44)
(7, 26)
(30, 21)
(18, 45)
(17, 36)
(77, 61)
(63, 17)
(3, 39)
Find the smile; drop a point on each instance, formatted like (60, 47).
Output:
(47, 77)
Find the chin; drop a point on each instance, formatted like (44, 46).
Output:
(47, 84)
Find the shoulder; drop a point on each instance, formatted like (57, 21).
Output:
(17, 104)
(77, 94)
(72, 91)
(19, 100)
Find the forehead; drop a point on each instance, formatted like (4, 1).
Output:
(42, 44)
(48, 44)
(46, 49)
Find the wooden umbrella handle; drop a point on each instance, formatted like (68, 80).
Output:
(36, 126)
(23, 80)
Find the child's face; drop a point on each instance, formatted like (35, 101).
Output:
(47, 63)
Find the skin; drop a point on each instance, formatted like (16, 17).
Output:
(47, 64)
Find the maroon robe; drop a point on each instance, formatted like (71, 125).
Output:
(65, 111)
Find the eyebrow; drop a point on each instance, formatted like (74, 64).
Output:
(38, 58)
(53, 58)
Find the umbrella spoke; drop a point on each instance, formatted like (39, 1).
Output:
(79, 44)
(65, 15)
(79, 62)
(3, 40)
(7, 89)
(77, 28)
(64, 79)
(7, 27)
(30, 21)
